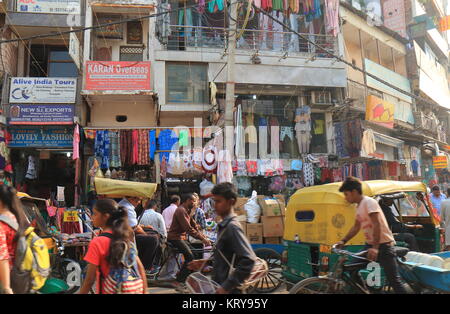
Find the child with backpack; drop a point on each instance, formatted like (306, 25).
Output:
(13, 224)
(112, 256)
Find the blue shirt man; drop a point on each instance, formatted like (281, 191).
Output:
(436, 198)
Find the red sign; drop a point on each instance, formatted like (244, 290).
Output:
(120, 75)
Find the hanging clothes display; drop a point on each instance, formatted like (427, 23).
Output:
(224, 168)
(353, 137)
(308, 173)
(143, 148)
(32, 168)
(332, 17)
(368, 145)
(102, 147)
(114, 138)
(303, 128)
(215, 5)
(126, 142)
(152, 143)
(76, 143)
(166, 141)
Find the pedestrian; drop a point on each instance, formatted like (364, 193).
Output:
(379, 238)
(11, 210)
(445, 220)
(182, 225)
(168, 212)
(436, 198)
(232, 244)
(106, 252)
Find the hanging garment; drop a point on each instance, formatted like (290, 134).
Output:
(213, 4)
(332, 17)
(353, 137)
(277, 5)
(152, 143)
(368, 145)
(252, 168)
(265, 28)
(135, 147)
(102, 147)
(394, 169)
(31, 170)
(239, 134)
(114, 156)
(296, 165)
(339, 132)
(308, 173)
(294, 5)
(183, 139)
(269, 169)
(241, 168)
(144, 158)
(303, 139)
(76, 143)
(224, 168)
(278, 166)
(167, 140)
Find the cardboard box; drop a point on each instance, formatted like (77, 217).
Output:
(273, 226)
(272, 240)
(255, 233)
(239, 206)
(281, 198)
(271, 206)
(244, 226)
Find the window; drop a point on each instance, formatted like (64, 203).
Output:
(187, 83)
(304, 216)
(60, 64)
(318, 133)
(411, 206)
(131, 53)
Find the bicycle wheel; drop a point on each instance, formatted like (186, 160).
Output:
(273, 280)
(319, 285)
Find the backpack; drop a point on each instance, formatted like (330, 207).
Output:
(32, 260)
(124, 280)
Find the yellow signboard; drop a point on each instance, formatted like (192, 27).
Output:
(440, 162)
(71, 216)
(380, 111)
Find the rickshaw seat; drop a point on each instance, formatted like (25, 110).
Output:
(401, 251)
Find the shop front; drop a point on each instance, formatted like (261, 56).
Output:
(42, 164)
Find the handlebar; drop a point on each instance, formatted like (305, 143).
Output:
(359, 255)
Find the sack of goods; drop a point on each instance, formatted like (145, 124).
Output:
(428, 260)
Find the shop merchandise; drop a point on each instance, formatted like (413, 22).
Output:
(166, 142)
(135, 147)
(368, 145)
(210, 156)
(278, 184)
(126, 147)
(152, 143)
(114, 139)
(241, 168)
(31, 170)
(143, 148)
(340, 135)
(303, 128)
(102, 147)
(76, 143)
(252, 168)
(308, 173)
(332, 17)
(224, 168)
(296, 165)
(353, 138)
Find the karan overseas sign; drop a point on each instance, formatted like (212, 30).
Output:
(41, 114)
(120, 75)
(49, 6)
(35, 90)
(54, 137)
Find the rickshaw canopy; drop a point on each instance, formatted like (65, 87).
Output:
(121, 188)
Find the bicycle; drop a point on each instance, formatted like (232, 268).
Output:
(344, 278)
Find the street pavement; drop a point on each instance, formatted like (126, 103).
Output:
(158, 290)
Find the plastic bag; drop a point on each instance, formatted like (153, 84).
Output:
(206, 187)
(252, 209)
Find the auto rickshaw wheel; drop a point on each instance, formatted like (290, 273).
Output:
(273, 280)
(318, 285)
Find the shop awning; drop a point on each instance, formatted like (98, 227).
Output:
(387, 140)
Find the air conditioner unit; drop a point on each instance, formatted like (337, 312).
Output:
(321, 98)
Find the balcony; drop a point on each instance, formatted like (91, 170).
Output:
(213, 39)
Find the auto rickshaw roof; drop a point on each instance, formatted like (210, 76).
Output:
(121, 188)
(329, 193)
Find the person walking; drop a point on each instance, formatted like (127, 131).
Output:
(10, 210)
(445, 220)
(182, 225)
(232, 244)
(436, 198)
(106, 252)
(379, 238)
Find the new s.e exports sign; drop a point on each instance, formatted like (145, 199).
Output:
(41, 114)
(42, 90)
(120, 75)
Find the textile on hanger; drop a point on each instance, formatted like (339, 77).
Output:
(102, 147)
(152, 143)
(308, 174)
(224, 168)
(332, 17)
(114, 139)
(76, 143)
(167, 140)
(143, 147)
(368, 145)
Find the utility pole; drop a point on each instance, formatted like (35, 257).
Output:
(230, 88)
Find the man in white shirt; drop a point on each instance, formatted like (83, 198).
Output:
(153, 219)
(169, 211)
(445, 220)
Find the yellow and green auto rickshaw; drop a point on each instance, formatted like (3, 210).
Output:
(318, 217)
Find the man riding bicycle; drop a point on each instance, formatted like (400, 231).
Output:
(379, 238)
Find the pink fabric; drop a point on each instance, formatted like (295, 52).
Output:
(135, 137)
(332, 17)
(76, 143)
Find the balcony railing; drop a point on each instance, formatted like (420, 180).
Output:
(192, 37)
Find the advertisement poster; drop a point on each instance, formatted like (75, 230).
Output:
(380, 111)
(49, 6)
(394, 16)
(120, 75)
(43, 90)
(52, 137)
(41, 114)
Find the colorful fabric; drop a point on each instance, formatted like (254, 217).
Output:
(102, 147)
(166, 140)
(76, 143)
(90, 134)
(252, 168)
(114, 138)
(308, 173)
(152, 143)
(184, 138)
(7, 243)
(143, 148)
